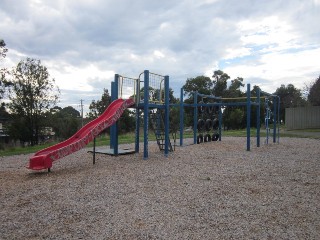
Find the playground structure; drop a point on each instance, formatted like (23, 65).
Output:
(148, 95)
(221, 103)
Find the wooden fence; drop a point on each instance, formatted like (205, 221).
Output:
(303, 117)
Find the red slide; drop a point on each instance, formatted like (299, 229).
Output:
(44, 158)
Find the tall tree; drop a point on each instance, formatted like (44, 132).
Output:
(314, 93)
(64, 121)
(98, 107)
(289, 97)
(219, 83)
(3, 49)
(4, 83)
(33, 93)
(201, 84)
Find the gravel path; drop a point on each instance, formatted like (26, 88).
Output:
(209, 191)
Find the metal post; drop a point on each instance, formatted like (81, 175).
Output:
(220, 122)
(115, 133)
(278, 119)
(113, 128)
(181, 117)
(94, 151)
(137, 116)
(258, 117)
(146, 113)
(137, 130)
(167, 119)
(248, 116)
(195, 116)
(274, 119)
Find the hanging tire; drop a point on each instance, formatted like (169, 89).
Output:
(208, 125)
(215, 137)
(207, 138)
(199, 139)
(215, 124)
(200, 125)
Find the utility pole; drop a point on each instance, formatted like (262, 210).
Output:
(81, 106)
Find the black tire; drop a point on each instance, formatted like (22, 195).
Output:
(200, 125)
(208, 125)
(215, 137)
(207, 138)
(200, 139)
(215, 124)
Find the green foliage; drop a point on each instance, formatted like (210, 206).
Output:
(314, 93)
(98, 107)
(4, 83)
(127, 122)
(220, 83)
(289, 97)
(64, 121)
(3, 49)
(201, 84)
(32, 94)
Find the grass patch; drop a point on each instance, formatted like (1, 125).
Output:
(104, 140)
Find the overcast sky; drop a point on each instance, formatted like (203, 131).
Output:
(83, 43)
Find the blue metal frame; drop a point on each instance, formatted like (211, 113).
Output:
(195, 118)
(274, 118)
(146, 114)
(114, 127)
(167, 112)
(248, 116)
(258, 117)
(181, 117)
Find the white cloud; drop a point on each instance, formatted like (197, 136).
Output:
(296, 68)
(84, 43)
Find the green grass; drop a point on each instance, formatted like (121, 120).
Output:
(24, 150)
(104, 140)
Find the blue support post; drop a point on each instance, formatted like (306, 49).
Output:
(248, 116)
(274, 119)
(167, 111)
(114, 127)
(258, 117)
(181, 117)
(146, 114)
(195, 116)
(137, 130)
(137, 139)
(278, 119)
(220, 122)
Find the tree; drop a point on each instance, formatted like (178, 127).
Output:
(201, 84)
(3, 49)
(33, 93)
(219, 83)
(98, 107)
(314, 93)
(70, 112)
(289, 97)
(4, 84)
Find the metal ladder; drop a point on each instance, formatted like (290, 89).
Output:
(157, 122)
